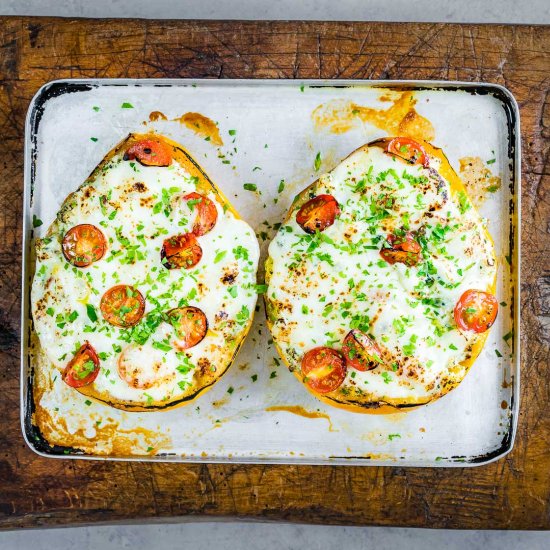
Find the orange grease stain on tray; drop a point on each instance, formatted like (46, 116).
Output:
(300, 411)
(478, 179)
(400, 119)
(156, 115)
(202, 126)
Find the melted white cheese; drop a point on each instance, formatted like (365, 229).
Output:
(136, 220)
(324, 285)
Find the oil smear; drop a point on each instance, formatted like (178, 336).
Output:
(300, 411)
(478, 179)
(157, 115)
(202, 126)
(400, 119)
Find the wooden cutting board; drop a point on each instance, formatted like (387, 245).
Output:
(511, 493)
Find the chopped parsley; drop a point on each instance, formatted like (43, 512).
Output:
(220, 255)
(243, 315)
(92, 314)
(463, 202)
(317, 162)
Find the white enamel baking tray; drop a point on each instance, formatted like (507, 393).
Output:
(269, 136)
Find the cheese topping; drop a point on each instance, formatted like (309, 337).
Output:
(137, 208)
(323, 285)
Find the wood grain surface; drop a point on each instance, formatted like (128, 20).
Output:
(511, 493)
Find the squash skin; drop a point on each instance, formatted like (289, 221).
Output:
(383, 407)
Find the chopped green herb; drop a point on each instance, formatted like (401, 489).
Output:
(260, 289)
(250, 187)
(243, 315)
(463, 202)
(126, 105)
(317, 162)
(87, 402)
(162, 346)
(92, 314)
(94, 139)
(492, 161)
(391, 437)
(232, 132)
(36, 222)
(232, 291)
(281, 186)
(220, 255)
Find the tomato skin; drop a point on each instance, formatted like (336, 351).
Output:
(122, 306)
(83, 245)
(476, 310)
(79, 372)
(403, 249)
(190, 324)
(409, 150)
(181, 251)
(360, 351)
(318, 213)
(149, 152)
(324, 369)
(207, 214)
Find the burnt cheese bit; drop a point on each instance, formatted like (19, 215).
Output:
(230, 274)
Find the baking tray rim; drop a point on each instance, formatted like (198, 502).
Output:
(31, 124)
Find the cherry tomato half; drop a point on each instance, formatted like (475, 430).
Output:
(83, 244)
(324, 369)
(181, 251)
(190, 324)
(476, 310)
(83, 368)
(150, 152)
(318, 213)
(360, 351)
(206, 213)
(122, 306)
(409, 150)
(403, 249)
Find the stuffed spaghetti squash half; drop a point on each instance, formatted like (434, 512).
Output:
(144, 286)
(381, 280)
